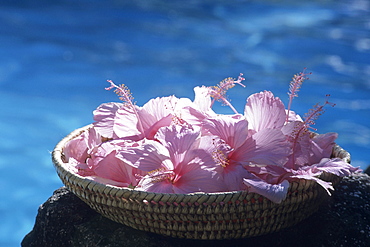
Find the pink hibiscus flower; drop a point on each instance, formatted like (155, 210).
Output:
(131, 122)
(306, 147)
(174, 145)
(278, 177)
(105, 163)
(264, 111)
(105, 119)
(205, 97)
(242, 148)
(201, 109)
(274, 192)
(176, 163)
(78, 150)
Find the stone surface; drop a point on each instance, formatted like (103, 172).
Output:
(344, 220)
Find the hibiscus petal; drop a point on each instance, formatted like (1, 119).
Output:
(179, 140)
(93, 138)
(274, 192)
(158, 108)
(152, 130)
(264, 111)
(202, 99)
(112, 168)
(322, 147)
(157, 185)
(148, 157)
(74, 166)
(271, 174)
(198, 180)
(153, 111)
(200, 109)
(232, 129)
(336, 166)
(322, 183)
(293, 116)
(233, 176)
(76, 148)
(267, 147)
(104, 117)
(301, 146)
(193, 116)
(127, 124)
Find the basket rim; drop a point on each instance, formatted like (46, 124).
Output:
(60, 165)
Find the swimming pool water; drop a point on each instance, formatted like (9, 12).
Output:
(55, 58)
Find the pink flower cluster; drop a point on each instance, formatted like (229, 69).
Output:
(175, 145)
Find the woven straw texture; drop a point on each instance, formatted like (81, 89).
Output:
(226, 215)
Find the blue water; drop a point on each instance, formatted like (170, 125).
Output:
(55, 58)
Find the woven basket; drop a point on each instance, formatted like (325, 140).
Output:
(228, 215)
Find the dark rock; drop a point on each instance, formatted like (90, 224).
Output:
(367, 171)
(344, 220)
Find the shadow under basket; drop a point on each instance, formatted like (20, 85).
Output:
(227, 215)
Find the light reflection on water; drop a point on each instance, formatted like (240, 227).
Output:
(56, 56)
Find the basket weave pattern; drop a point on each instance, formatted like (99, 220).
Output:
(199, 215)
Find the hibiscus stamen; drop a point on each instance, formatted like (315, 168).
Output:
(314, 113)
(309, 119)
(294, 88)
(177, 120)
(220, 158)
(159, 170)
(122, 91)
(159, 178)
(219, 155)
(125, 95)
(219, 92)
(168, 176)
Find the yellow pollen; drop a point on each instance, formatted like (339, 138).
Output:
(220, 158)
